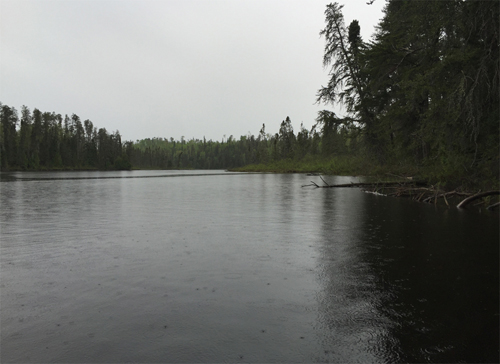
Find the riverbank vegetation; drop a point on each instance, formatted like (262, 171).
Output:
(421, 100)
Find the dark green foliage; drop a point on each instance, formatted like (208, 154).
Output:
(197, 154)
(24, 151)
(286, 139)
(122, 163)
(426, 90)
(43, 142)
(8, 136)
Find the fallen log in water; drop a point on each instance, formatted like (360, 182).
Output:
(416, 190)
(363, 184)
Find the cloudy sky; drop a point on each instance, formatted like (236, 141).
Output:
(166, 68)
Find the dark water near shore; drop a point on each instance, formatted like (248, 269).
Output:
(220, 267)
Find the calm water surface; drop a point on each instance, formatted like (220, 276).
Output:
(198, 266)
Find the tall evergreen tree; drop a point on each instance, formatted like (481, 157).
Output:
(8, 140)
(24, 139)
(286, 139)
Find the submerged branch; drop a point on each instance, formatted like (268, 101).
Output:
(468, 200)
(491, 207)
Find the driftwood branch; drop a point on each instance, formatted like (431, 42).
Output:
(312, 184)
(468, 200)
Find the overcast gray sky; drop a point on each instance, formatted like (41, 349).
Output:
(165, 68)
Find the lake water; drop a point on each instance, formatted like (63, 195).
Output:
(208, 266)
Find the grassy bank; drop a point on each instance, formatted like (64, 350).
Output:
(447, 177)
(342, 166)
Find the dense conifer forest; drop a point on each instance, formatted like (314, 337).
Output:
(421, 97)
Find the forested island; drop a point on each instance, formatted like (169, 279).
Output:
(422, 98)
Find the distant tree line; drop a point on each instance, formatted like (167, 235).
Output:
(45, 140)
(231, 153)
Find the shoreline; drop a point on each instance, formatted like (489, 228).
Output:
(380, 180)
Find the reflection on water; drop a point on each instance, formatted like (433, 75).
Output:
(442, 267)
(239, 268)
(350, 303)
